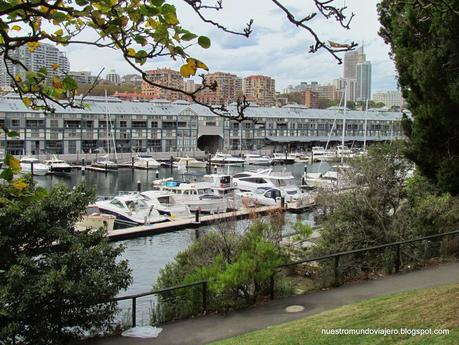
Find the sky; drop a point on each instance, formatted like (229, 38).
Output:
(276, 47)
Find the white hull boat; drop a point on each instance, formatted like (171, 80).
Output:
(29, 163)
(146, 162)
(131, 209)
(188, 162)
(225, 158)
(58, 165)
(256, 159)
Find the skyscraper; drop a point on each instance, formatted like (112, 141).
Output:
(46, 55)
(363, 87)
(351, 59)
(358, 72)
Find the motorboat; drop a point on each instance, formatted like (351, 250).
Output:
(199, 195)
(34, 166)
(188, 162)
(95, 220)
(343, 151)
(256, 159)
(58, 165)
(265, 196)
(283, 158)
(334, 179)
(320, 154)
(165, 203)
(2, 158)
(222, 185)
(131, 208)
(226, 158)
(146, 162)
(103, 163)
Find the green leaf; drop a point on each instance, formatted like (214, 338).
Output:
(69, 83)
(188, 36)
(204, 42)
(7, 174)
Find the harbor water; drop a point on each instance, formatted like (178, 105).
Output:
(147, 255)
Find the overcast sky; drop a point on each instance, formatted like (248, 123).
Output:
(276, 48)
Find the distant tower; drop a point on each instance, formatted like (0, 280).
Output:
(113, 77)
(363, 88)
(351, 59)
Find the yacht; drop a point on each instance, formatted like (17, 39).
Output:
(131, 208)
(146, 162)
(282, 158)
(343, 151)
(103, 163)
(332, 179)
(226, 158)
(188, 162)
(164, 202)
(199, 195)
(58, 165)
(94, 220)
(222, 185)
(2, 158)
(250, 181)
(320, 154)
(256, 159)
(39, 169)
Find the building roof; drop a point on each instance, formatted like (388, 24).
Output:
(114, 106)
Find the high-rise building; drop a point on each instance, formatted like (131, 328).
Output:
(342, 84)
(351, 59)
(46, 55)
(83, 77)
(311, 99)
(260, 89)
(363, 87)
(389, 98)
(165, 77)
(189, 86)
(229, 89)
(113, 77)
(327, 92)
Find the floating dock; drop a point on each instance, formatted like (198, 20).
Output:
(190, 222)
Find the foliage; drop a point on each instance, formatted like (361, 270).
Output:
(55, 277)
(383, 207)
(424, 44)
(237, 265)
(137, 31)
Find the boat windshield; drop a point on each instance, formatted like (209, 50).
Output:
(281, 182)
(261, 190)
(136, 204)
(205, 191)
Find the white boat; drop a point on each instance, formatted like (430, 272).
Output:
(250, 181)
(103, 163)
(256, 159)
(320, 154)
(166, 204)
(146, 162)
(264, 196)
(282, 158)
(39, 169)
(342, 150)
(226, 158)
(222, 185)
(334, 179)
(2, 158)
(58, 165)
(196, 196)
(187, 162)
(95, 220)
(131, 208)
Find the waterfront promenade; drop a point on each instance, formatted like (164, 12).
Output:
(206, 329)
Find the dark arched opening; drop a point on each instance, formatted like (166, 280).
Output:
(210, 143)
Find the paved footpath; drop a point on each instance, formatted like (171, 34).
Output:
(213, 327)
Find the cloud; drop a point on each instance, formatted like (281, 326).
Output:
(276, 48)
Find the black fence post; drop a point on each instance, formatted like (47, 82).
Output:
(139, 186)
(132, 162)
(336, 269)
(172, 165)
(134, 311)
(196, 216)
(31, 169)
(271, 286)
(397, 258)
(204, 296)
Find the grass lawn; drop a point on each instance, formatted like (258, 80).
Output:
(436, 308)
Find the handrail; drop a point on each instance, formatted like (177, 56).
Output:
(367, 249)
(156, 292)
(336, 256)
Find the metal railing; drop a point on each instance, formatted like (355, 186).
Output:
(335, 256)
(133, 298)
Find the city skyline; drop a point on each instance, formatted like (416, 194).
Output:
(276, 47)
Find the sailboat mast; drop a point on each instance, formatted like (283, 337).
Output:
(344, 121)
(106, 125)
(365, 128)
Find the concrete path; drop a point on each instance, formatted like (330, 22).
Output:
(206, 329)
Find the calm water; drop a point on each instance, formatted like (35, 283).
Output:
(147, 255)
